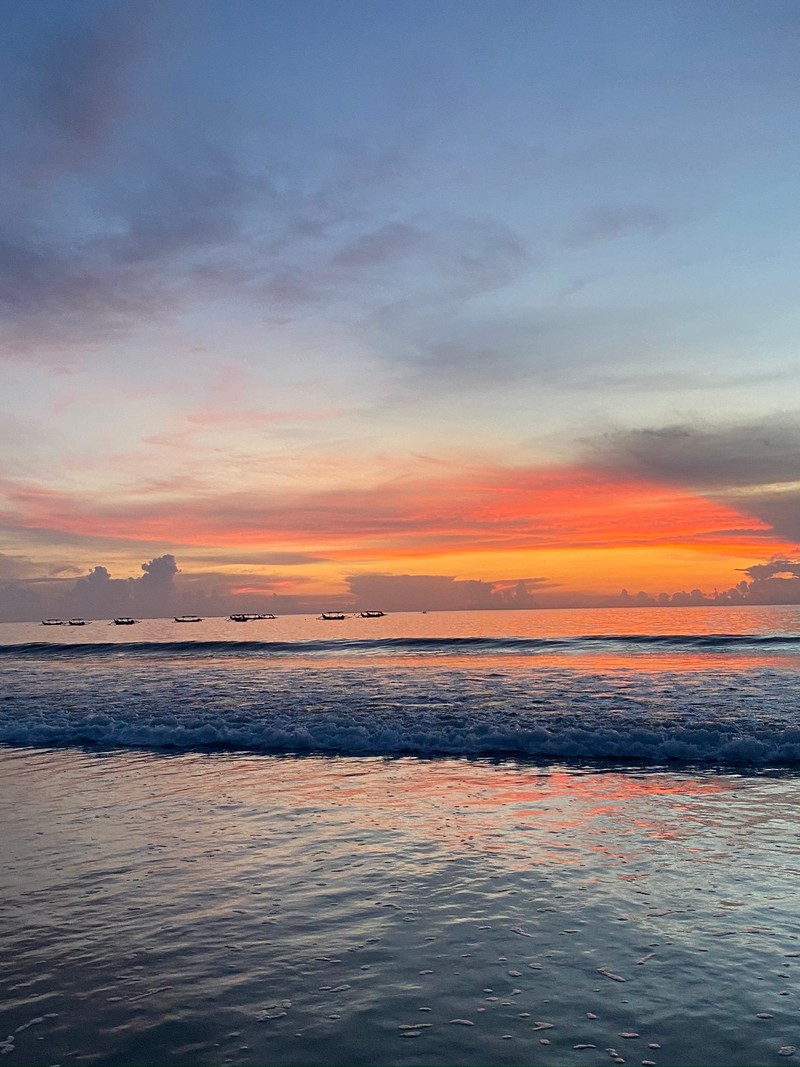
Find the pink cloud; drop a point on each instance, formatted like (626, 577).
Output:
(483, 509)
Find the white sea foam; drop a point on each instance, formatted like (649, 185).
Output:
(725, 715)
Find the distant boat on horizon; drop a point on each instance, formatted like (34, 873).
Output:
(372, 614)
(249, 616)
(332, 616)
(123, 620)
(52, 622)
(77, 622)
(187, 618)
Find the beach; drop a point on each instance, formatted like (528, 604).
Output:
(198, 903)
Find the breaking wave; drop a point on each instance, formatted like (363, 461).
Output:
(425, 708)
(477, 646)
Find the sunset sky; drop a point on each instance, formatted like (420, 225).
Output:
(399, 303)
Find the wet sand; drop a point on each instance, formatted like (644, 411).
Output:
(244, 909)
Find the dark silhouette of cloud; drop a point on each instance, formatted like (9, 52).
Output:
(154, 592)
(776, 582)
(781, 509)
(162, 590)
(752, 466)
(99, 596)
(757, 453)
(430, 592)
(781, 568)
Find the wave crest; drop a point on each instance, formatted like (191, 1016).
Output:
(399, 645)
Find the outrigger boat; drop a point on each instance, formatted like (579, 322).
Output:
(123, 620)
(188, 618)
(372, 614)
(249, 616)
(77, 622)
(52, 622)
(332, 616)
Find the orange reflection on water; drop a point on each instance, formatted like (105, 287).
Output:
(645, 662)
(591, 662)
(519, 815)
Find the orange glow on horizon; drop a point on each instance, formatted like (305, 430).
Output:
(582, 529)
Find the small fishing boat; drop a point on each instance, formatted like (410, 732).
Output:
(240, 618)
(123, 620)
(331, 616)
(372, 614)
(52, 622)
(264, 615)
(188, 618)
(77, 622)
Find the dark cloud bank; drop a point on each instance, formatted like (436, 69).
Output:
(162, 591)
(751, 466)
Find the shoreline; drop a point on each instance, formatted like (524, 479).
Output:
(204, 909)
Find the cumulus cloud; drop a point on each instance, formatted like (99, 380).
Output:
(160, 591)
(776, 582)
(99, 596)
(776, 568)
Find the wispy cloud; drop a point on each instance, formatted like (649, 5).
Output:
(481, 509)
(611, 223)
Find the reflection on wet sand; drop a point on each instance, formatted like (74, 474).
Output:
(394, 911)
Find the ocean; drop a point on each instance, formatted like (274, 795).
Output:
(443, 838)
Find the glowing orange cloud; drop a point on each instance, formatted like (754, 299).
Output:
(586, 534)
(485, 509)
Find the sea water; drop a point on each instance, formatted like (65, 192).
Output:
(445, 838)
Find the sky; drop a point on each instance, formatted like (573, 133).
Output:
(397, 305)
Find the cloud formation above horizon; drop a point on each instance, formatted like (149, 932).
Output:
(306, 292)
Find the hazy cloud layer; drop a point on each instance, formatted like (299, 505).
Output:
(160, 211)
